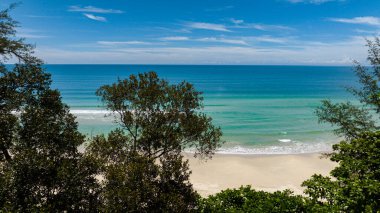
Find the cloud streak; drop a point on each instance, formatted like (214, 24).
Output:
(270, 39)
(113, 43)
(222, 40)
(303, 52)
(263, 27)
(175, 38)
(266, 27)
(366, 20)
(91, 9)
(207, 26)
(94, 17)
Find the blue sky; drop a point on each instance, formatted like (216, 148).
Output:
(289, 32)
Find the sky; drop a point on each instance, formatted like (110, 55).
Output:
(257, 32)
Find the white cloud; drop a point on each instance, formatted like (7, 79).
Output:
(110, 43)
(271, 39)
(367, 20)
(91, 9)
(368, 32)
(263, 27)
(96, 18)
(206, 39)
(302, 53)
(175, 38)
(266, 27)
(207, 26)
(223, 40)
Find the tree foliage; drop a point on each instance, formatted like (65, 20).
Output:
(355, 186)
(140, 167)
(41, 168)
(159, 117)
(135, 183)
(142, 163)
(351, 119)
(246, 199)
(11, 46)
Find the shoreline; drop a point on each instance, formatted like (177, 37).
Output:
(267, 172)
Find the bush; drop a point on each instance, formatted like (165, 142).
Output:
(246, 199)
(356, 183)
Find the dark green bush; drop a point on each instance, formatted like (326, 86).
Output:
(246, 199)
(356, 183)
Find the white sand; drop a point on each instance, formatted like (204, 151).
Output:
(262, 172)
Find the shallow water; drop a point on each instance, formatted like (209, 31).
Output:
(261, 109)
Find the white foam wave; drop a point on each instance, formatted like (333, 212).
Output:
(296, 148)
(285, 140)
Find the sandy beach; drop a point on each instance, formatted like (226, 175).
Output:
(262, 172)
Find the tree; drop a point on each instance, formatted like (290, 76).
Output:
(161, 118)
(356, 180)
(19, 85)
(134, 183)
(41, 168)
(246, 199)
(142, 163)
(356, 183)
(352, 120)
(10, 45)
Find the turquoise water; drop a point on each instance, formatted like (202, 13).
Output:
(261, 109)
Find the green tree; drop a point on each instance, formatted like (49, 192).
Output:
(246, 199)
(142, 163)
(356, 183)
(41, 168)
(19, 85)
(161, 118)
(351, 119)
(134, 183)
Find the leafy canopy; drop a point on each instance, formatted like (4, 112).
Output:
(41, 169)
(141, 163)
(352, 120)
(356, 183)
(246, 199)
(161, 118)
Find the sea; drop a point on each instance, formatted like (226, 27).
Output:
(260, 109)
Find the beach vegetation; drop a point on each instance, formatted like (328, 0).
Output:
(41, 168)
(354, 185)
(352, 119)
(47, 166)
(160, 118)
(132, 182)
(142, 161)
(246, 199)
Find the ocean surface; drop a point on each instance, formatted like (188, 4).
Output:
(261, 109)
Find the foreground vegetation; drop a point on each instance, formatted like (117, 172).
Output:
(354, 186)
(139, 167)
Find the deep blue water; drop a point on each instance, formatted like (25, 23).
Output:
(261, 109)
